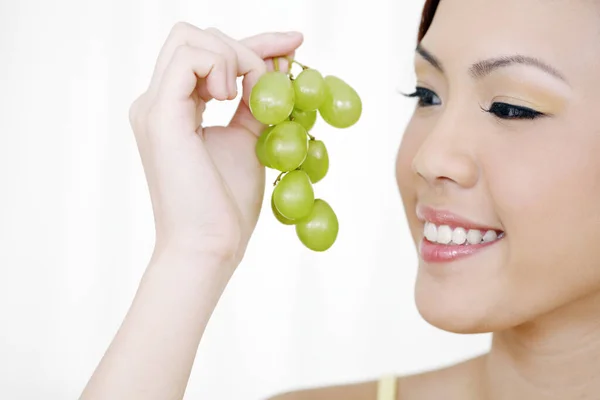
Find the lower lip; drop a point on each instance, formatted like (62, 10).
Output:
(440, 253)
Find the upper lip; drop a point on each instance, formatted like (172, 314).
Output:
(445, 217)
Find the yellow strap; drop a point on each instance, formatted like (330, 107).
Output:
(386, 388)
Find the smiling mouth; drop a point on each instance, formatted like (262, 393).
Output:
(448, 237)
(459, 236)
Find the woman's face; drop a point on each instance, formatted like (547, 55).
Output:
(505, 143)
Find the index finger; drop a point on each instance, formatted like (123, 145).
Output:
(253, 51)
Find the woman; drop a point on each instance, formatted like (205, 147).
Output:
(499, 177)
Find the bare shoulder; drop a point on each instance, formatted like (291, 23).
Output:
(353, 391)
(450, 383)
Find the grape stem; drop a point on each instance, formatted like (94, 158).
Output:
(278, 178)
(276, 63)
(300, 64)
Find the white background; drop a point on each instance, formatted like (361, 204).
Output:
(76, 225)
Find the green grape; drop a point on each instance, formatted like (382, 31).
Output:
(305, 118)
(280, 218)
(316, 164)
(261, 151)
(318, 231)
(272, 98)
(287, 146)
(309, 88)
(294, 196)
(342, 106)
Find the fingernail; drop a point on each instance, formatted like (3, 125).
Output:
(292, 33)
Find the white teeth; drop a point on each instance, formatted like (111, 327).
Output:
(474, 236)
(431, 232)
(459, 236)
(444, 235)
(490, 236)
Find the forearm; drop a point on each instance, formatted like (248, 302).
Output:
(152, 354)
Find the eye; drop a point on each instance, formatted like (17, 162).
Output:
(509, 111)
(427, 98)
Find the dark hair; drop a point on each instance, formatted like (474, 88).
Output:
(427, 17)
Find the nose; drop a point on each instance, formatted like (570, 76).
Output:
(447, 155)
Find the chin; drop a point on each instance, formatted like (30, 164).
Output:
(462, 304)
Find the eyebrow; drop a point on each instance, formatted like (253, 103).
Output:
(483, 68)
(430, 58)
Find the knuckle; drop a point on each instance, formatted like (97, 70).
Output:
(213, 30)
(181, 53)
(220, 61)
(231, 55)
(225, 48)
(180, 27)
(221, 37)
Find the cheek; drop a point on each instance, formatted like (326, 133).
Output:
(546, 190)
(405, 176)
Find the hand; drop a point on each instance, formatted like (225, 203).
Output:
(205, 183)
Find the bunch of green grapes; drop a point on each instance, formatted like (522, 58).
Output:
(289, 105)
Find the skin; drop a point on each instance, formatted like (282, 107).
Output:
(206, 187)
(538, 180)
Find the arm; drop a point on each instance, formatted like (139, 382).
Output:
(152, 354)
(205, 206)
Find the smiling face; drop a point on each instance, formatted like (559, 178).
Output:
(505, 139)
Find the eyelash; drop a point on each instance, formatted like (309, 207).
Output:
(427, 98)
(509, 111)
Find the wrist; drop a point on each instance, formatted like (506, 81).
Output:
(178, 254)
(180, 272)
